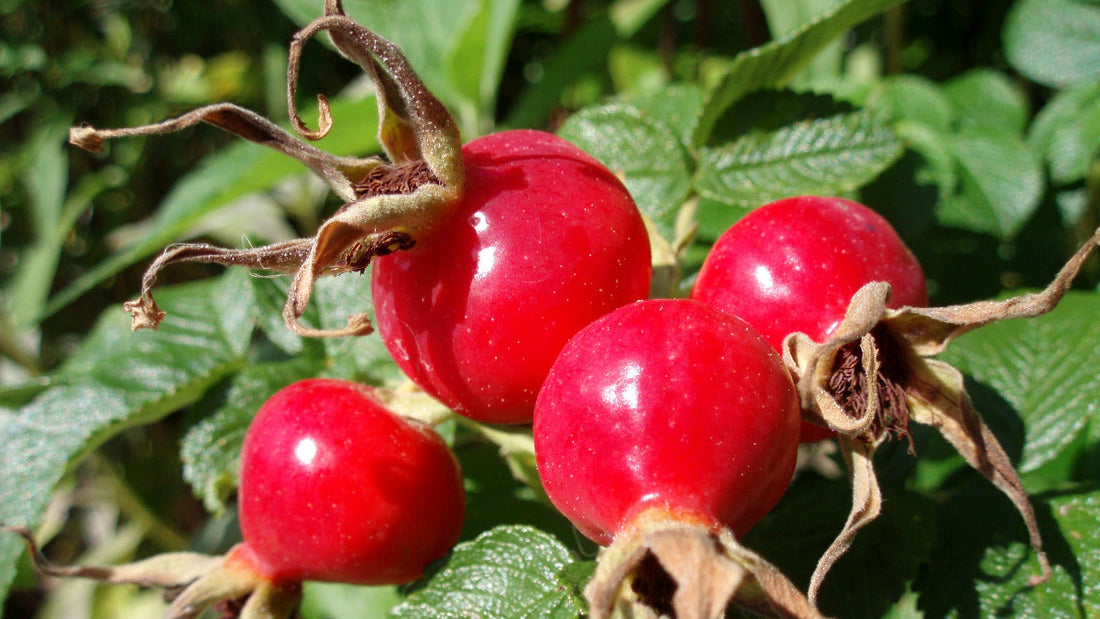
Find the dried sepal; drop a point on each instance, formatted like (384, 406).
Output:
(191, 581)
(866, 506)
(388, 205)
(930, 329)
(887, 380)
(677, 567)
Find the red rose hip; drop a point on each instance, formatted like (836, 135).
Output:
(545, 240)
(793, 266)
(335, 487)
(670, 405)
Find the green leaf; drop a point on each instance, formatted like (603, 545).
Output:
(1000, 183)
(1042, 370)
(363, 358)
(476, 61)
(984, 560)
(1067, 132)
(677, 106)
(1054, 42)
(509, 572)
(791, 145)
(119, 379)
(458, 47)
(584, 52)
(643, 150)
(884, 558)
(787, 16)
(915, 99)
(222, 179)
(989, 99)
(51, 216)
(775, 63)
(212, 448)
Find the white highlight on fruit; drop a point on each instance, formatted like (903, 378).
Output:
(305, 451)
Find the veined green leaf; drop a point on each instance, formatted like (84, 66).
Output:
(640, 148)
(989, 99)
(510, 572)
(773, 64)
(789, 155)
(1067, 132)
(1042, 370)
(984, 561)
(1000, 182)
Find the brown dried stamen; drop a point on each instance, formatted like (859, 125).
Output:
(385, 180)
(848, 384)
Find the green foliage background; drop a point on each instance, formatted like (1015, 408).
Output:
(974, 127)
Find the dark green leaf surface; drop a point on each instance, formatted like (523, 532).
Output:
(509, 572)
(1001, 183)
(990, 99)
(885, 557)
(773, 64)
(825, 155)
(1044, 370)
(1054, 42)
(642, 149)
(1067, 132)
(119, 379)
(984, 561)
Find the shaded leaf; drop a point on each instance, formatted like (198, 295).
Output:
(641, 149)
(1044, 368)
(508, 572)
(884, 557)
(775, 63)
(984, 561)
(916, 99)
(1000, 183)
(1054, 42)
(1067, 132)
(825, 154)
(989, 99)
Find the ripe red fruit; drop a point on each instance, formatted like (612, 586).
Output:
(545, 241)
(335, 487)
(670, 405)
(793, 266)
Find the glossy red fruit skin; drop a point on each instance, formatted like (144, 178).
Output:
(793, 265)
(545, 241)
(666, 404)
(335, 487)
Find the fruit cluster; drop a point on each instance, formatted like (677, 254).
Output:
(510, 279)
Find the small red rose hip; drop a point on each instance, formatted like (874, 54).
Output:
(335, 487)
(545, 241)
(667, 405)
(793, 266)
